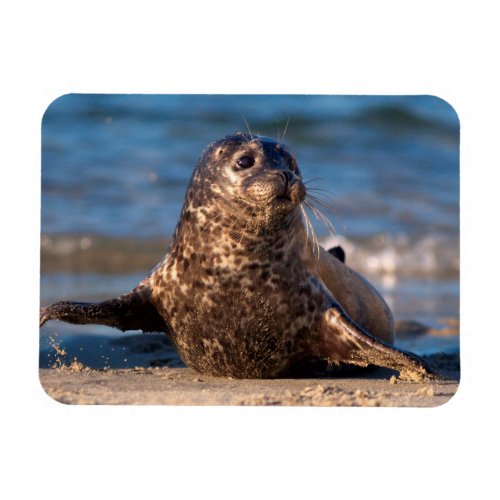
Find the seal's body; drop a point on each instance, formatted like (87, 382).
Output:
(243, 292)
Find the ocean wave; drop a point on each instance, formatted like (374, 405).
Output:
(86, 253)
(384, 255)
(401, 116)
(431, 255)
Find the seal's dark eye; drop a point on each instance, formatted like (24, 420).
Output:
(245, 161)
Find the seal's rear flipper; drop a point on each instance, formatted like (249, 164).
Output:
(338, 252)
(130, 311)
(344, 341)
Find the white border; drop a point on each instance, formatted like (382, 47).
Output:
(445, 49)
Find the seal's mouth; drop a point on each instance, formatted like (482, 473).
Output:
(283, 197)
(294, 194)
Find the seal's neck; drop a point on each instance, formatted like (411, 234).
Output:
(222, 231)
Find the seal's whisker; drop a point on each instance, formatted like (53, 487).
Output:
(306, 226)
(314, 179)
(312, 227)
(322, 192)
(327, 223)
(314, 239)
(321, 217)
(286, 128)
(248, 127)
(321, 195)
(309, 229)
(314, 188)
(325, 194)
(321, 203)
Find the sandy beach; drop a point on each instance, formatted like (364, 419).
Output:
(182, 386)
(138, 369)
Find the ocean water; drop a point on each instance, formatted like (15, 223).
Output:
(115, 169)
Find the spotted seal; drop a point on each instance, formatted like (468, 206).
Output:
(243, 291)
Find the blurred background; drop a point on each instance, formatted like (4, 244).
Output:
(115, 170)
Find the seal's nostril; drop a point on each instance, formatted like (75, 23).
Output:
(287, 179)
(287, 176)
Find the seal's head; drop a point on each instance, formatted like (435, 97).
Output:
(251, 177)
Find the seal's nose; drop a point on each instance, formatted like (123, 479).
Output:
(294, 189)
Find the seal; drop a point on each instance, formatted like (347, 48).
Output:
(243, 291)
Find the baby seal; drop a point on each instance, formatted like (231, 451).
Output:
(243, 292)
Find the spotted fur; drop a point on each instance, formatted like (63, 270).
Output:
(233, 288)
(241, 291)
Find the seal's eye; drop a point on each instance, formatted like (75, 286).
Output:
(245, 161)
(292, 166)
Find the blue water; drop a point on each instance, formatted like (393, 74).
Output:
(117, 166)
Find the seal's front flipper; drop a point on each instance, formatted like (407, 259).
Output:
(344, 341)
(131, 311)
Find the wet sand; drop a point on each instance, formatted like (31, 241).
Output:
(182, 386)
